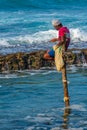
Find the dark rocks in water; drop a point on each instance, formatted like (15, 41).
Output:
(35, 60)
(76, 56)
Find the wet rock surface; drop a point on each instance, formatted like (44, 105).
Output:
(35, 60)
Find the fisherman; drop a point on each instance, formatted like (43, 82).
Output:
(63, 39)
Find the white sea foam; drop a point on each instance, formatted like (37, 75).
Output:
(57, 128)
(39, 37)
(78, 107)
(49, 72)
(42, 38)
(40, 119)
(84, 64)
(7, 76)
(78, 35)
(72, 68)
(4, 42)
(10, 76)
(30, 128)
(75, 129)
(36, 128)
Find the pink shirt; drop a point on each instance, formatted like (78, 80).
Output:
(65, 31)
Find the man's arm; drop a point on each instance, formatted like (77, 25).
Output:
(54, 40)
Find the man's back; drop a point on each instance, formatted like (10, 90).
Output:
(64, 31)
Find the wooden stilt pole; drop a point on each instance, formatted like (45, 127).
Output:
(65, 83)
(65, 118)
(65, 86)
(67, 110)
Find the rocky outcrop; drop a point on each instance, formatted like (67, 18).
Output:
(35, 60)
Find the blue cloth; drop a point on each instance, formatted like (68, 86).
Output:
(51, 53)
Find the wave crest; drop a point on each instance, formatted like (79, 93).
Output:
(43, 37)
(78, 35)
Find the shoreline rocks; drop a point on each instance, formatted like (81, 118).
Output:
(35, 60)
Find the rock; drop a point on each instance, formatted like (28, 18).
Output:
(35, 60)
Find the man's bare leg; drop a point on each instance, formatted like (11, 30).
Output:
(47, 56)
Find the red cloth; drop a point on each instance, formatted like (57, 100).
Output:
(64, 31)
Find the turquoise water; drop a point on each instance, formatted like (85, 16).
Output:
(26, 25)
(33, 100)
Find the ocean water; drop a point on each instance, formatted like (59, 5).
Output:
(33, 100)
(26, 25)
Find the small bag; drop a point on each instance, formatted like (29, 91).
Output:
(59, 62)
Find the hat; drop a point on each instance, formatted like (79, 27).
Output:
(56, 22)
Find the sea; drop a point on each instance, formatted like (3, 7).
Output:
(33, 99)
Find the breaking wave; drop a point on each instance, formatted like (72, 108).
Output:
(77, 36)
